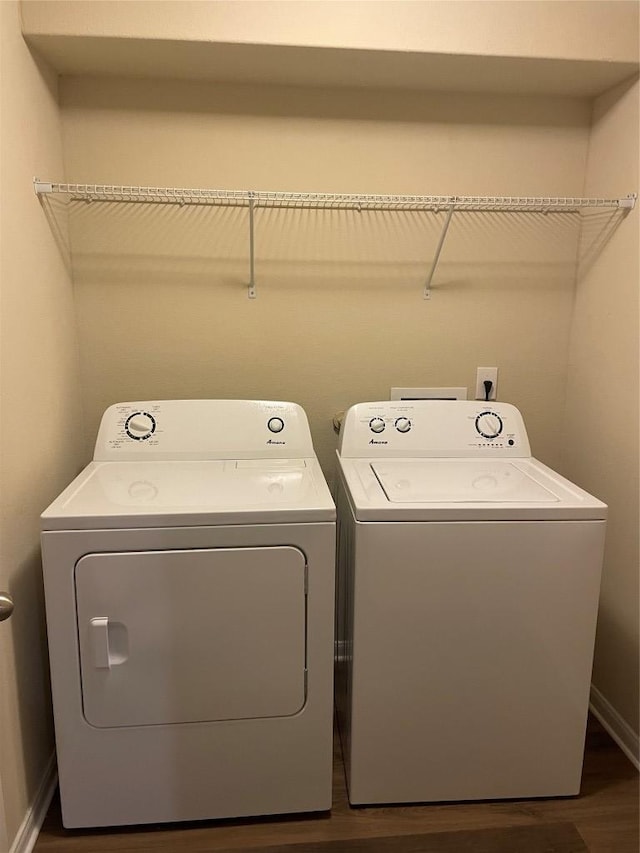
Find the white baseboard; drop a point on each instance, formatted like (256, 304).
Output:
(27, 836)
(617, 727)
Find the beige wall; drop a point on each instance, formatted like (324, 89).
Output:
(40, 416)
(161, 295)
(602, 398)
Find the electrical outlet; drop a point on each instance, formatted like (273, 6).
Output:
(482, 374)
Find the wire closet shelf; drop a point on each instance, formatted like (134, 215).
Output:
(331, 201)
(247, 198)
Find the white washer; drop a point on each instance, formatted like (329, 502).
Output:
(468, 582)
(189, 581)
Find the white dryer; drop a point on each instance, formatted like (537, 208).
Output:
(468, 582)
(189, 582)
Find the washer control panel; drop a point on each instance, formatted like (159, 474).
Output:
(203, 429)
(443, 428)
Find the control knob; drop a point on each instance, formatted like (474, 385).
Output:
(275, 424)
(489, 425)
(403, 424)
(376, 425)
(140, 425)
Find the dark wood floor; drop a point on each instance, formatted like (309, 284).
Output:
(603, 819)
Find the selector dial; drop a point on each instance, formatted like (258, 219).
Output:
(140, 425)
(403, 424)
(275, 424)
(376, 425)
(489, 425)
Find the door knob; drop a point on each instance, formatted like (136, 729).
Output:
(6, 606)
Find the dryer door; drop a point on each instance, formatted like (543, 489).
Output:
(194, 635)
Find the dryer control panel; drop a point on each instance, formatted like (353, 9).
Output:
(203, 429)
(438, 428)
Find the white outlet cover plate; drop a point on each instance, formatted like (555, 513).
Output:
(483, 373)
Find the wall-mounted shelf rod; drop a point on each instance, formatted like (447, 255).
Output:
(436, 256)
(252, 253)
(242, 198)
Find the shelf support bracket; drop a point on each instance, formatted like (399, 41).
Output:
(41, 187)
(436, 257)
(251, 293)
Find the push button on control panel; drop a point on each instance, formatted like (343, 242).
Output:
(275, 424)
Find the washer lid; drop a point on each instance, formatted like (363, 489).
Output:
(189, 493)
(457, 481)
(463, 490)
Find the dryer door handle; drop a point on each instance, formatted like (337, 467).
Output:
(99, 632)
(108, 642)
